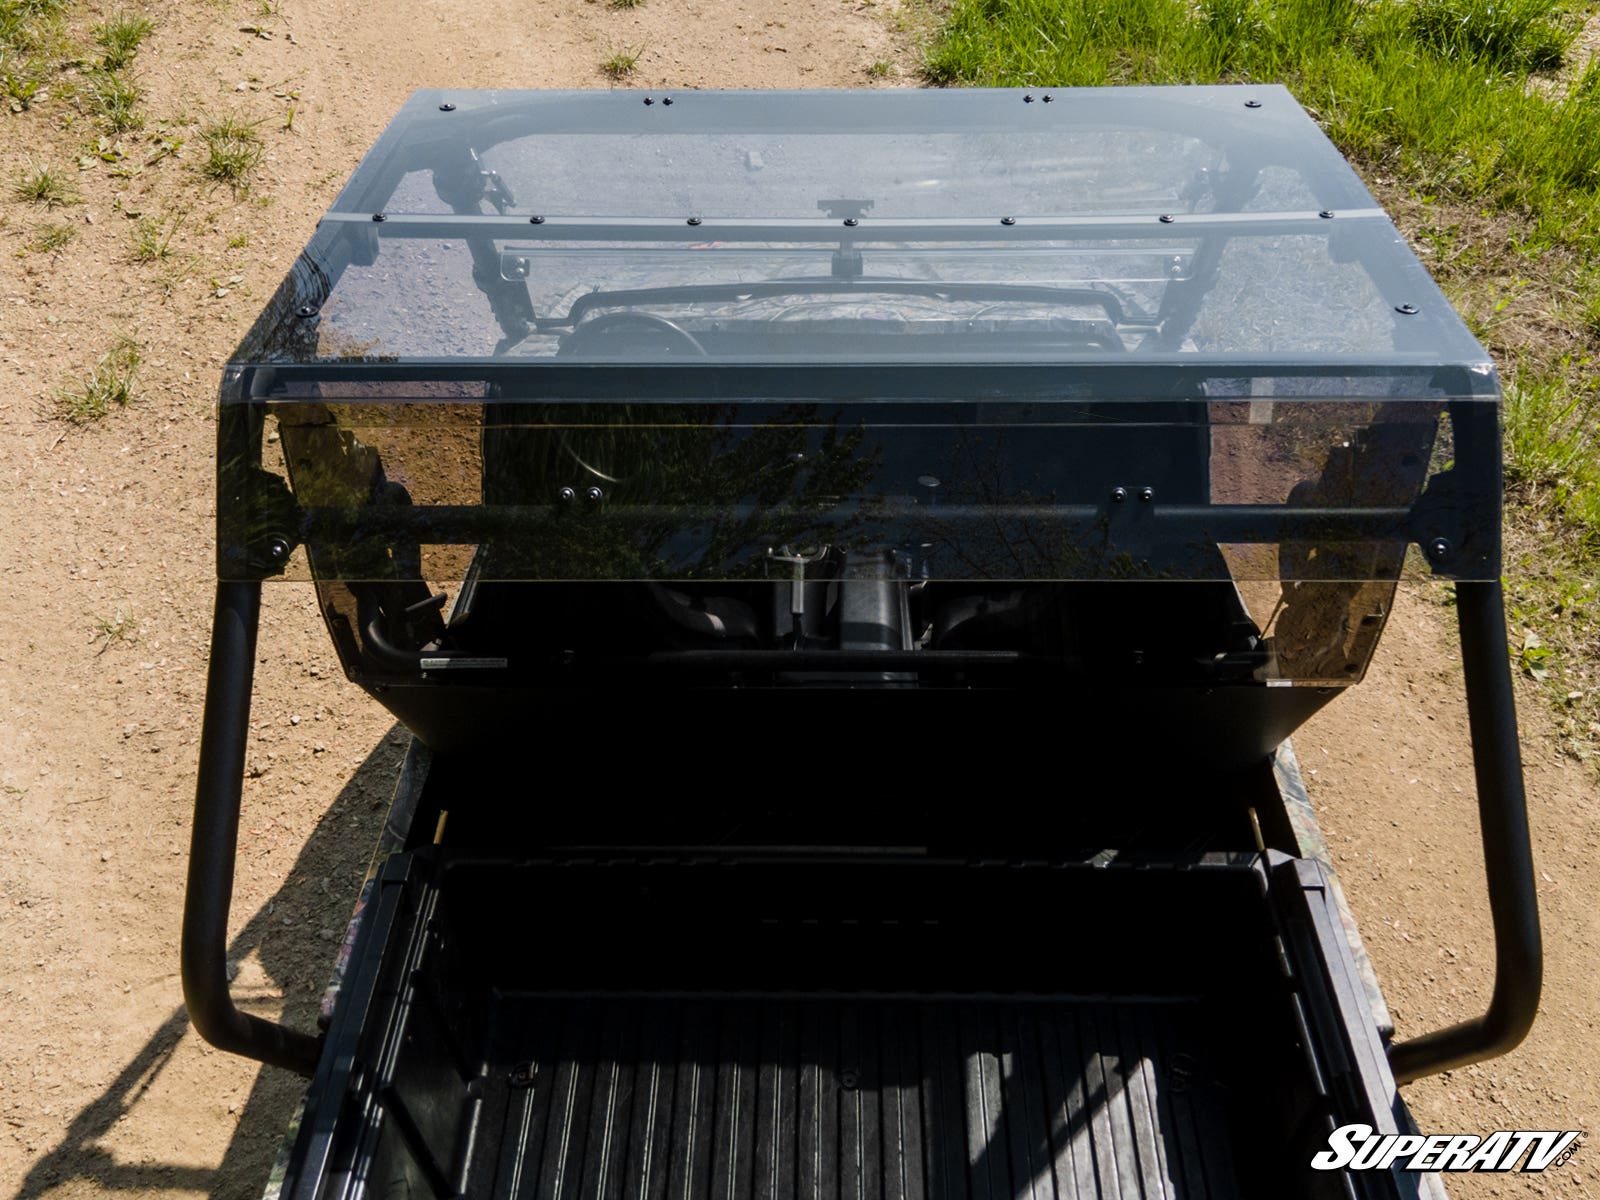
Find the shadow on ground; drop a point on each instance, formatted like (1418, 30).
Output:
(295, 960)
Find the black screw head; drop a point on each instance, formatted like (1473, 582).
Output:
(1438, 549)
(306, 311)
(1048, 98)
(595, 495)
(447, 107)
(380, 217)
(1118, 495)
(535, 220)
(1252, 104)
(1008, 220)
(851, 222)
(1028, 99)
(566, 495)
(522, 1075)
(1147, 494)
(667, 100)
(1167, 218)
(849, 1079)
(694, 220)
(277, 549)
(1407, 310)
(648, 101)
(1326, 214)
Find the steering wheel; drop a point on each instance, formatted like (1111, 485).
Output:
(624, 319)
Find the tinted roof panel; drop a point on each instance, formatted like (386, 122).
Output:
(1199, 226)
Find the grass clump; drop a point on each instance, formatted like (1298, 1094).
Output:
(119, 38)
(625, 3)
(233, 149)
(1552, 448)
(109, 386)
(116, 99)
(117, 628)
(44, 185)
(152, 239)
(621, 64)
(1505, 35)
(52, 239)
(21, 81)
(880, 69)
(20, 20)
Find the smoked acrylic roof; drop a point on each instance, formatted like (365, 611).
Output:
(1209, 229)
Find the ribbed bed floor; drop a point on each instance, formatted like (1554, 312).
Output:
(856, 1099)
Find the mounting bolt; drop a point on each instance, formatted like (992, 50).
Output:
(1407, 310)
(522, 1075)
(1252, 104)
(566, 495)
(1326, 214)
(447, 107)
(1048, 97)
(1008, 220)
(535, 220)
(380, 217)
(667, 100)
(277, 549)
(306, 311)
(1167, 218)
(595, 495)
(849, 1079)
(1118, 495)
(1028, 99)
(1439, 549)
(1147, 494)
(851, 222)
(648, 101)
(694, 220)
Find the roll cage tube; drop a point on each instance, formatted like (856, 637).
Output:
(224, 735)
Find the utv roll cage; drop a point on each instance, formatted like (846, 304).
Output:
(605, 400)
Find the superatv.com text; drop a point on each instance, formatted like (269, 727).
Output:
(1355, 1148)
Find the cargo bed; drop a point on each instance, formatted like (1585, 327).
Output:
(741, 1025)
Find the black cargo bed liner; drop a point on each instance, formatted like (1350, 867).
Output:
(759, 1026)
(858, 1099)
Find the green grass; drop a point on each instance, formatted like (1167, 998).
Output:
(1552, 448)
(117, 628)
(119, 38)
(44, 185)
(880, 69)
(21, 83)
(52, 239)
(109, 386)
(621, 63)
(152, 239)
(1504, 35)
(1435, 89)
(233, 150)
(116, 99)
(625, 3)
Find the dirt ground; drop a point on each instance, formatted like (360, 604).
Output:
(103, 1088)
